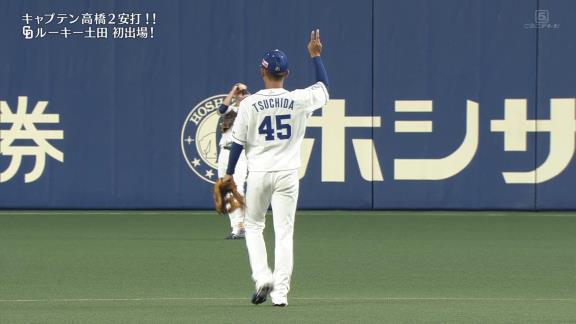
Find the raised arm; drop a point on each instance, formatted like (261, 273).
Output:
(314, 49)
(234, 92)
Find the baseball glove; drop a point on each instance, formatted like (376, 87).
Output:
(226, 196)
(227, 121)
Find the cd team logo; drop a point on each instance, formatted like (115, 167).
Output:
(199, 138)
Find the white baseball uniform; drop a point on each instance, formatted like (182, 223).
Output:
(237, 216)
(271, 125)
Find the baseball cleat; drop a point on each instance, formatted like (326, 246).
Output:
(260, 296)
(232, 236)
(280, 305)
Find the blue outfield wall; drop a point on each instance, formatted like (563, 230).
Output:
(445, 104)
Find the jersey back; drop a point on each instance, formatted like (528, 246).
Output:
(271, 125)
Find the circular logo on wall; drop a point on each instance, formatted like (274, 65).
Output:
(199, 138)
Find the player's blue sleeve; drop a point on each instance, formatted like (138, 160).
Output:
(321, 75)
(222, 109)
(235, 151)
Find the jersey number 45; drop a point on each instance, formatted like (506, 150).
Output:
(283, 129)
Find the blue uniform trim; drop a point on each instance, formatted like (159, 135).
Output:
(321, 75)
(222, 109)
(235, 151)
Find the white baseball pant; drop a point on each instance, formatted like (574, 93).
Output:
(280, 189)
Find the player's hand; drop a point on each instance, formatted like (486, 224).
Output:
(227, 178)
(315, 46)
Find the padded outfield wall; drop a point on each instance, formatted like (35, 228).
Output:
(444, 104)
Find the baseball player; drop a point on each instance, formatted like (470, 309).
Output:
(270, 127)
(228, 112)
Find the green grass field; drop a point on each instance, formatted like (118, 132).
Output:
(350, 267)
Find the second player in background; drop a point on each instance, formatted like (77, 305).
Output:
(228, 110)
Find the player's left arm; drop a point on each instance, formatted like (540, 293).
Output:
(239, 135)
(316, 95)
(315, 49)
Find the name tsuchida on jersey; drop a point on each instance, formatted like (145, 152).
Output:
(273, 103)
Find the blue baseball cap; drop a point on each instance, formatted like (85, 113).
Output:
(275, 61)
